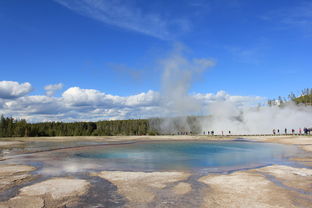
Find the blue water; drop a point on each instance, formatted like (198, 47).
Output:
(188, 155)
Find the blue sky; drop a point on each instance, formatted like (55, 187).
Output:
(259, 48)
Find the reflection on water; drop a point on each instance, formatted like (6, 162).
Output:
(188, 155)
(154, 156)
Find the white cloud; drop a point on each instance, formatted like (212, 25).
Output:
(11, 90)
(33, 105)
(51, 89)
(76, 96)
(143, 99)
(222, 96)
(78, 104)
(84, 97)
(123, 14)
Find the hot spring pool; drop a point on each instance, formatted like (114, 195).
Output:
(151, 156)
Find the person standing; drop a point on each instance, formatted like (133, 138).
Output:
(285, 130)
(300, 131)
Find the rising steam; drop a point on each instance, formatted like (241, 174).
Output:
(256, 120)
(185, 112)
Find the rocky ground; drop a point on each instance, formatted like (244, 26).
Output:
(54, 192)
(270, 186)
(13, 175)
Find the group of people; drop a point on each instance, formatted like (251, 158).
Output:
(208, 133)
(212, 133)
(184, 133)
(305, 131)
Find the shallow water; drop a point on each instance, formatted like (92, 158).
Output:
(188, 155)
(207, 156)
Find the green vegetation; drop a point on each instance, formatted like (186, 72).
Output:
(304, 98)
(10, 127)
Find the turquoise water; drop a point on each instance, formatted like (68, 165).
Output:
(188, 155)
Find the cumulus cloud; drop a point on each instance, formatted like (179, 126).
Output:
(149, 98)
(76, 96)
(83, 97)
(11, 89)
(222, 96)
(33, 105)
(78, 104)
(51, 89)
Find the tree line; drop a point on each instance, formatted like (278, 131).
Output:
(10, 127)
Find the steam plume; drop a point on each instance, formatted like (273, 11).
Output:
(238, 114)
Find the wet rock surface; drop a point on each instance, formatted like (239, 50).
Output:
(306, 161)
(182, 188)
(253, 188)
(140, 188)
(101, 193)
(54, 192)
(13, 175)
(296, 179)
